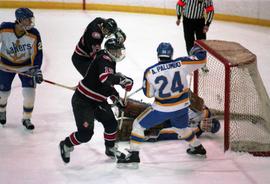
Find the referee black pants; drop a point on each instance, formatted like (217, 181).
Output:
(192, 28)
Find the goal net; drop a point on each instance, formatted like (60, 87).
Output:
(234, 91)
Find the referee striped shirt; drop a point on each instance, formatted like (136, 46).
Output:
(196, 9)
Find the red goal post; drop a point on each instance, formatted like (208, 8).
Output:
(234, 91)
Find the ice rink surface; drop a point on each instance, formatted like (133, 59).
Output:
(34, 158)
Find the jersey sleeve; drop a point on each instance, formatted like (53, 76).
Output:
(179, 8)
(92, 37)
(107, 73)
(39, 53)
(209, 9)
(193, 62)
(148, 89)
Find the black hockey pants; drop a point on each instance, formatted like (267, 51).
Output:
(191, 28)
(85, 113)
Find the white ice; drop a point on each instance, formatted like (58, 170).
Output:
(34, 158)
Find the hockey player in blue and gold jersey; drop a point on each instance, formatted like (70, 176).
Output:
(21, 52)
(167, 82)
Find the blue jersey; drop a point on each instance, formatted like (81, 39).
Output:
(19, 51)
(167, 82)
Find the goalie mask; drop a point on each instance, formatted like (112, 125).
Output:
(210, 125)
(25, 18)
(164, 51)
(115, 49)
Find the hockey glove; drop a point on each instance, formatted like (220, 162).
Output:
(125, 82)
(195, 49)
(36, 73)
(118, 102)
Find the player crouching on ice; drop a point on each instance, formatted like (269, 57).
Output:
(200, 120)
(166, 81)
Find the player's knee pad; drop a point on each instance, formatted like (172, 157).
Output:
(85, 136)
(137, 136)
(29, 95)
(137, 129)
(110, 126)
(3, 98)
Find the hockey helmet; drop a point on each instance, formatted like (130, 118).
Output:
(215, 126)
(115, 49)
(22, 14)
(165, 50)
(110, 25)
(210, 125)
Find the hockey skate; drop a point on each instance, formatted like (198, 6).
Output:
(131, 161)
(28, 125)
(65, 151)
(3, 118)
(198, 150)
(113, 152)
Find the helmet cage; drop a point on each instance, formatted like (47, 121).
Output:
(115, 49)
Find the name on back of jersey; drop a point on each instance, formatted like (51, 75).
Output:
(165, 66)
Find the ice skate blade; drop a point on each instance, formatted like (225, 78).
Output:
(29, 131)
(127, 165)
(198, 156)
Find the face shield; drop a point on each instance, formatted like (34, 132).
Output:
(117, 54)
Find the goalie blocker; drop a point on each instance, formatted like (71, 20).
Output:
(200, 119)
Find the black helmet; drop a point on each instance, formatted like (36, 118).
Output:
(115, 49)
(110, 25)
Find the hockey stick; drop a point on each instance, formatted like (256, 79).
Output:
(125, 101)
(9, 69)
(122, 113)
(133, 93)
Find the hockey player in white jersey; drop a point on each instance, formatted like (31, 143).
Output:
(21, 51)
(166, 81)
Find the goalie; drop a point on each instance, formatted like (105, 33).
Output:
(200, 120)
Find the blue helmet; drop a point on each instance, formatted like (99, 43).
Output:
(23, 13)
(165, 50)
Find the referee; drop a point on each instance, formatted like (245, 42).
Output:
(197, 17)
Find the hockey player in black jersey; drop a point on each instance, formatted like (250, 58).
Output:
(89, 101)
(91, 40)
